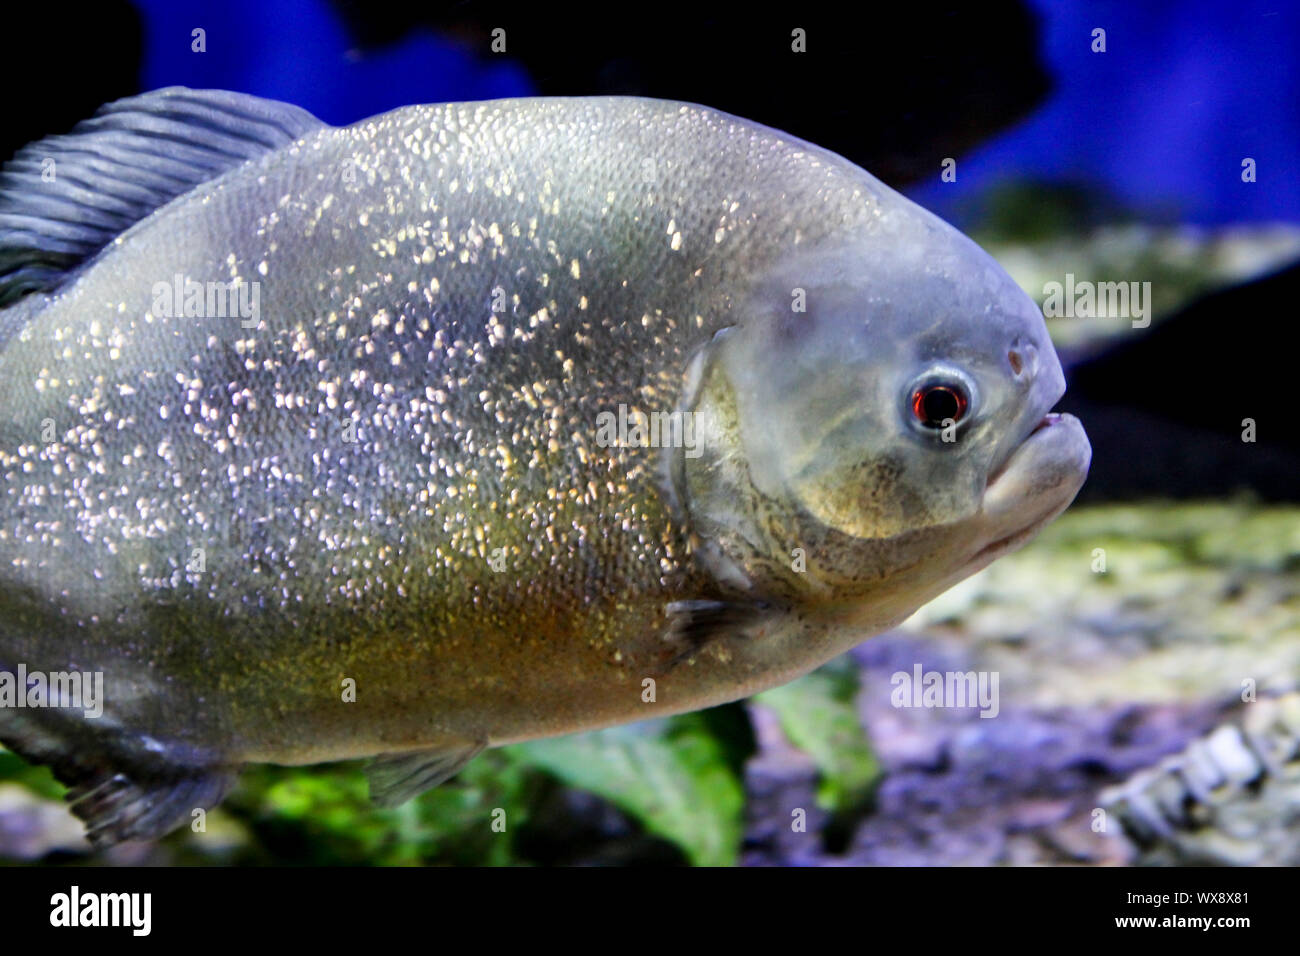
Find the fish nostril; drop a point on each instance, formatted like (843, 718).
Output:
(1022, 356)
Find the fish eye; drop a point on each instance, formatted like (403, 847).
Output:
(940, 398)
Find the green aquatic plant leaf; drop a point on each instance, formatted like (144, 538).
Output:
(39, 780)
(671, 775)
(325, 815)
(819, 716)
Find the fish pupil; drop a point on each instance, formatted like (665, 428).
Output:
(935, 404)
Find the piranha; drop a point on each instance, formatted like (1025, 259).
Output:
(469, 424)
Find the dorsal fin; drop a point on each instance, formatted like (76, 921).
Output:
(63, 198)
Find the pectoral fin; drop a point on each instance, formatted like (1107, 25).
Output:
(396, 778)
(693, 624)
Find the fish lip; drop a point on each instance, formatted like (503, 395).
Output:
(1049, 420)
(1042, 476)
(1051, 428)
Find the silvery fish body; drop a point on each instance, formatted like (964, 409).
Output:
(474, 423)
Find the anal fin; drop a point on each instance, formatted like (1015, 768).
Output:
(396, 778)
(116, 807)
(123, 786)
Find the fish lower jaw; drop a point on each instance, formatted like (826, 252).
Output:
(1007, 543)
(1013, 540)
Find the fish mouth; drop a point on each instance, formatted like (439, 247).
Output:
(1034, 485)
(1047, 421)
